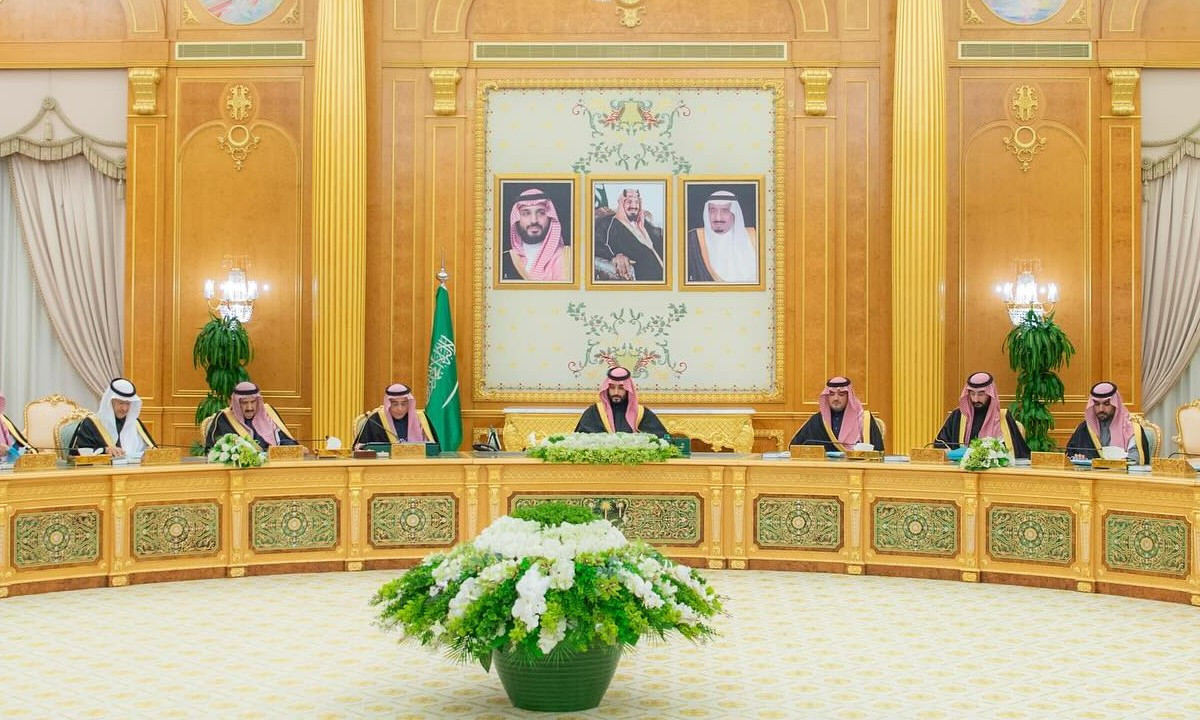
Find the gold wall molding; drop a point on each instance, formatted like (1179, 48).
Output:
(919, 187)
(969, 16)
(1124, 82)
(629, 12)
(1025, 103)
(1080, 16)
(292, 17)
(816, 90)
(238, 141)
(1024, 143)
(339, 216)
(445, 90)
(189, 17)
(143, 83)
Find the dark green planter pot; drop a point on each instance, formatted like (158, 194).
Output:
(577, 682)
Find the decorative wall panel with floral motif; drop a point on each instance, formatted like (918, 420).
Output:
(550, 328)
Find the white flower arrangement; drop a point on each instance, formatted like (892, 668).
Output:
(235, 450)
(550, 579)
(984, 453)
(604, 448)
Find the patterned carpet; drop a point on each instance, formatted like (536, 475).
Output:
(796, 645)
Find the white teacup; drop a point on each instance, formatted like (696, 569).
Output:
(1112, 452)
(863, 446)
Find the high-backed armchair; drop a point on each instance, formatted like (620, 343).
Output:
(1153, 430)
(1187, 425)
(43, 416)
(65, 430)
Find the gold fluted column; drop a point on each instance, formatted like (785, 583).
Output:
(339, 217)
(918, 225)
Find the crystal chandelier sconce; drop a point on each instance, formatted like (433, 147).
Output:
(1025, 295)
(237, 292)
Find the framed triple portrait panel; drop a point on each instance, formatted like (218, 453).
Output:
(635, 232)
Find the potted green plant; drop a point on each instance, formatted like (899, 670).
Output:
(1036, 349)
(223, 350)
(552, 595)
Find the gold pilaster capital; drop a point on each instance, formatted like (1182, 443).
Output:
(143, 82)
(1124, 82)
(445, 90)
(816, 90)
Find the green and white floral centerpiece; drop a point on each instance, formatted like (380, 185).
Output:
(553, 595)
(237, 451)
(604, 449)
(984, 453)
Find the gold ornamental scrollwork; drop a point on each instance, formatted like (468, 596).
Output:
(238, 140)
(969, 16)
(189, 17)
(1080, 17)
(1124, 82)
(292, 17)
(144, 84)
(445, 90)
(1025, 143)
(629, 12)
(816, 90)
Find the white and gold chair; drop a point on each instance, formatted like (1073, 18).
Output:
(1187, 425)
(43, 417)
(1154, 431)
(64, 430)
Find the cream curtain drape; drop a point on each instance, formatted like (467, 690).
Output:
(73, 221)
(1170, 272)
(32, 362)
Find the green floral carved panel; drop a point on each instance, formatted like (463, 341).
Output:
(176, 530)
(1146, 544)
(918, 528)
(416, 520)
(295, 524)
(802, 522)
(60, 537)
(1026, 534)
(656, 519)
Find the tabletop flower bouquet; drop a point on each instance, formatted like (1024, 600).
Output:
(984, 453)
(604, 448)
(236, 451)
(551, 594)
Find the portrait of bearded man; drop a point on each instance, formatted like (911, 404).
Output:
(628, 237)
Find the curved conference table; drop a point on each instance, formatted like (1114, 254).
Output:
(1087, 530)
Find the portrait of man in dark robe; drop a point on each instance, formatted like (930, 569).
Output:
(628, 234)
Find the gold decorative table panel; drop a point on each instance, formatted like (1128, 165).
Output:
(1089, 531)
(728, 428)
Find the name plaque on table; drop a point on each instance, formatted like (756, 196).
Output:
(162, 456)
(35, 461)
(285, 452)
(927, 455)
(1118, 465)
(1175, 467)
(85, 460)
(807, 452)
(407, 451)
(1048, 460)
(870, 455)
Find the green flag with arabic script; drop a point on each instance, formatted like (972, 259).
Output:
(442, 407)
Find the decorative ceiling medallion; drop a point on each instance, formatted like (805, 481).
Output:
(1024, 12)
(238, 140)
(240, 12)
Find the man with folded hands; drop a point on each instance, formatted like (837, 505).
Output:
(842, 422)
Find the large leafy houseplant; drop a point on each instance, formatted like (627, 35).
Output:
(1036, 349)
(545, 585)
(223, 349)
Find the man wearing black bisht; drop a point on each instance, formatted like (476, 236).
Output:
(618, 409)
(979, 415)
(842, 422)
(115, 429)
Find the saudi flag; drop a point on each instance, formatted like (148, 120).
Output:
(442, 406)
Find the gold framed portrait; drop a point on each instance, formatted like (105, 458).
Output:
(535, 230)
(723, 246)
(630, 226)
